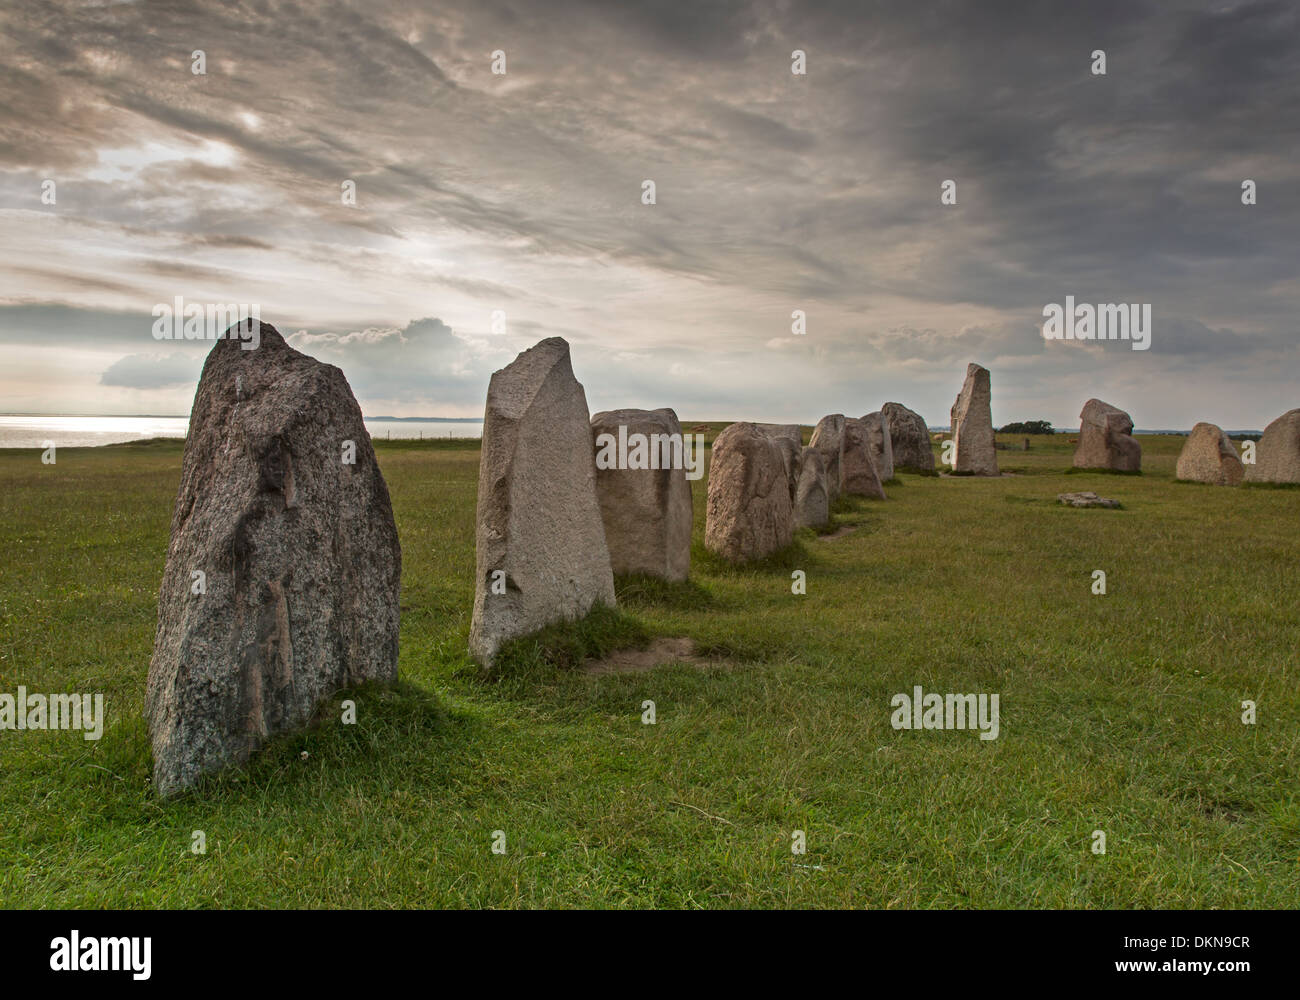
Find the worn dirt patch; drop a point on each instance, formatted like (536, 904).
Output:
(848, 529)
(659, 653)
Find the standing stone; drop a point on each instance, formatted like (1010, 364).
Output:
(1208, 456)
(790, 440)
(540, 546)
(812, 498)
(909, 438)
(281, 582)
(646, 507)
(972, 425)
(790, 431)
(1277, 456)
(749, 512)
(858, 476)
(1104, 439)
(826, 439)
(879, 446)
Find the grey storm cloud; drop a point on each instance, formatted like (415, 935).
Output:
(154, 371)
(774, 191)
(423, 358)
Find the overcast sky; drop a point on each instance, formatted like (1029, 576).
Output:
(776, 192)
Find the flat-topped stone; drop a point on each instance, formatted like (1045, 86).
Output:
(749, 512)
(1104, 439)
(645, 507)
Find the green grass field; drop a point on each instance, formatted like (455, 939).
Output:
(1119, 713)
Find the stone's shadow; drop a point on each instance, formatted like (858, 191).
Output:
(636, 590)
(661, 652)
(793, 556)
(400, 724)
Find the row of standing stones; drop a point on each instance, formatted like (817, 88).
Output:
(284, 514)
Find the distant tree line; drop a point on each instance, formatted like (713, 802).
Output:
(1028, 427)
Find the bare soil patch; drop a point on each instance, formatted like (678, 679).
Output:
(659, 653)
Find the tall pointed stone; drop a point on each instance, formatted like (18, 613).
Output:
(826, 439)
(540, 545)
(974, 452)
(812, 498)
(879, 446)
(282, 575)
(858, 476)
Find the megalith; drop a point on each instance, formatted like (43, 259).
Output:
(974, 448)
(281, 582)
(540, 548)
(749, 512)
(858, 476)
(826, 439)
(1104, 439)
(1208, 456)
(879, 446)
(644, 495)
(909, 438)
(1277, 456)
(812, 497)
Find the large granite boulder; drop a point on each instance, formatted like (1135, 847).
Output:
(975, 452)
(281, 582)
(645, 501)
(1104, 439)
(749, 512)
(812, 497)
(909, 438)
(879, 446)
(1277, 456)
(1208, 456)
(789, 439)
(826, 439)
(540, 546)
(858, 477)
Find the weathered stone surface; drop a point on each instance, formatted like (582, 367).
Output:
(299, 559)
(540, 536)
(790, 440)
(1208, 456)
(858, 476)
(826, 439)
(1277, 455)
(972, 425)
(812, 498)
(879, 446)
(647, 511)
(909, 438)
(749, 512)
(1086, 498)
(1104, 441)
(790, 431)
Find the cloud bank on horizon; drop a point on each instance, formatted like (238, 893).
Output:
(521, 192)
